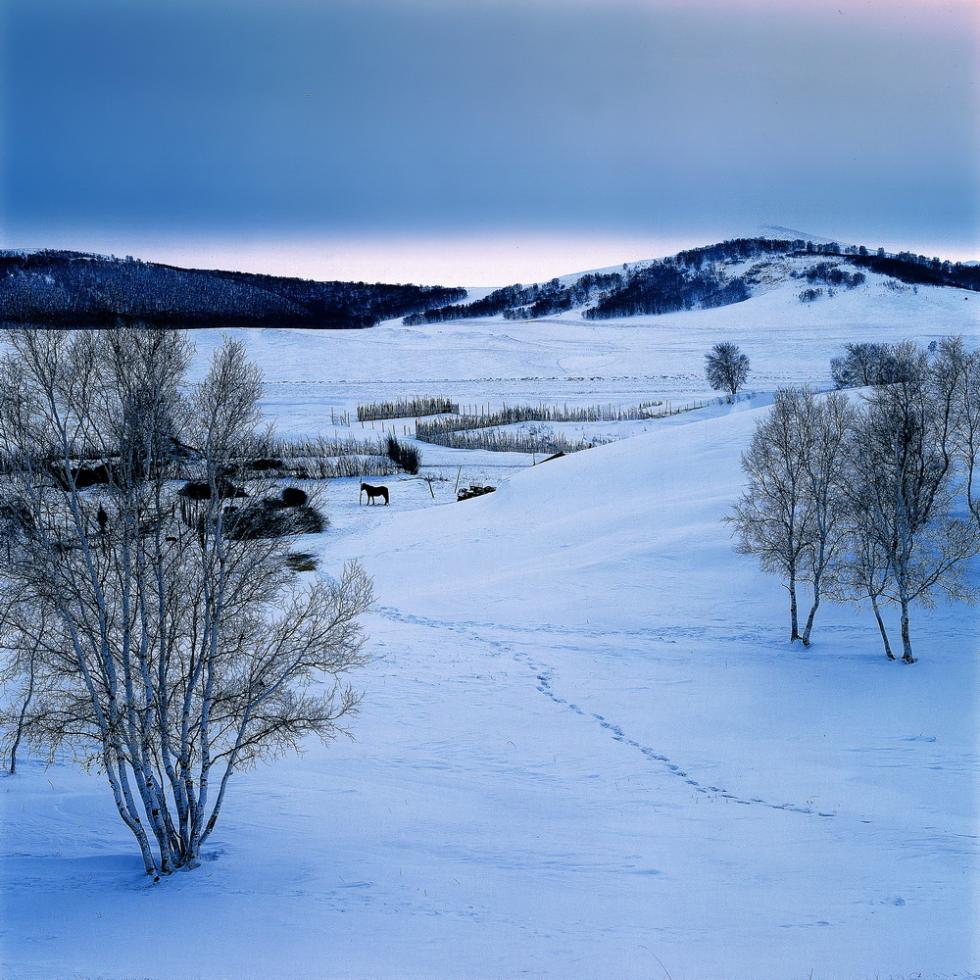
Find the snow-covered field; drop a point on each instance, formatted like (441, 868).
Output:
(585, 749)
(568, 359)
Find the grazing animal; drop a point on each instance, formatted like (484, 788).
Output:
(373, 492)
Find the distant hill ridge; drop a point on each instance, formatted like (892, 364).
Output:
(712, 275)
(62, 288)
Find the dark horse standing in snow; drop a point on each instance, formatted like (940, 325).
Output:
(373, 492)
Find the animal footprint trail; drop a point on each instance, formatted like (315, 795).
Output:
(619, 735)
(543, 685)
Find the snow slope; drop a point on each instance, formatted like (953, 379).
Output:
(586, 750)
(570, 359)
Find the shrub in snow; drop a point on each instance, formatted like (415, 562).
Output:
(301, 561)
(201, 489)
(473, 490)
(293, 497)
(271, 519)
(403, 455)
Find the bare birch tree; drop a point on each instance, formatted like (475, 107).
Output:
(865, 572)
(170, 652)
(18, 677)
(902, 473)
(773, 520)
(956, 373)
(825, 426)
(860, 503)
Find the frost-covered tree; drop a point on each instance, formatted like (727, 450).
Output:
(825, 426)
(792, 513)
(726, 368)
(901, 480)
(166, 651)
(858, 366)
(861, 501)
(864, 571)
(867, 364)
(956, 380)
(773, 518)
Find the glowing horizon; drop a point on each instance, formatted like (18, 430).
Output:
(447, 260)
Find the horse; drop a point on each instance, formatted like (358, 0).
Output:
(373, 492)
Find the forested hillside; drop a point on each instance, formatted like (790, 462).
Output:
(713, 275)
(76, 289)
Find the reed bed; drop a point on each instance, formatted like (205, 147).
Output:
(511, 441)
(407, 408)
(480, 430)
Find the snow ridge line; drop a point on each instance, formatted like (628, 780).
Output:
(542, 677)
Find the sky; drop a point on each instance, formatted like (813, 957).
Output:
(483, 141)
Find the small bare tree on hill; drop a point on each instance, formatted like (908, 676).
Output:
(726, 368)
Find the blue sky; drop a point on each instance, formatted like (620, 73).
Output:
(465, 140)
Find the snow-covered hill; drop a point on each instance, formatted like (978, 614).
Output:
(586, 750)
(718, 275)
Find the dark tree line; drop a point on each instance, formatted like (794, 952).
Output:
(738, 250)
(917, 270)
(831, 274)
(558, 298)
(72, 289)
(61, 288)
(665, 288)
(661, 287)
(518, 302)
(904, 266)
(492, 304)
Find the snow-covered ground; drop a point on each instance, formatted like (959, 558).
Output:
(568, 359)
(586, 749)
